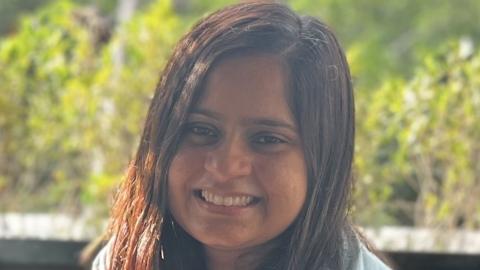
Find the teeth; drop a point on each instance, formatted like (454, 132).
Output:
(226, 201)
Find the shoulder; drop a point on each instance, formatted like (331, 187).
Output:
(367, 260)
(101, 260)
(356, 256)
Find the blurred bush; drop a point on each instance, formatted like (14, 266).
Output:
(418, 144)
(75, 86)
(70, 114)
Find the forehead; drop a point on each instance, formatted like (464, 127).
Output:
(247, 84)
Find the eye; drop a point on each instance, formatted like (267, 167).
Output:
(200, 134)
(268, 140)
(201, 131)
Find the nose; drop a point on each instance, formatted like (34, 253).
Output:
(229, 160)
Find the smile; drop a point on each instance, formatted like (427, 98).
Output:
(230, 201)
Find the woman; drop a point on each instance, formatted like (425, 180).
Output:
(245, 158)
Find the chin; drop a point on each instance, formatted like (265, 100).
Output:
(224, 242)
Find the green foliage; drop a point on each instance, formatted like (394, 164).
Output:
(50, 109)
(70, 116)
(74, 93)
(418, 146)
(390, 37)
(9, 10)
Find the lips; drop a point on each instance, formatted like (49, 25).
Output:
(233, 200)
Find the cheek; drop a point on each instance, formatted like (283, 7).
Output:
(285, 182)
(183, 167)
(185, 162)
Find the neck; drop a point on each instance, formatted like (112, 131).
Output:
(221, 259)
(245, 259)
(218, 259)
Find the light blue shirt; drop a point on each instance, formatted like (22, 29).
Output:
(368, 261)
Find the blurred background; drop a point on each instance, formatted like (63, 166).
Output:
(76, 78)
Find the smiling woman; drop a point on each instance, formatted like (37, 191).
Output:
(239, 171)
(245, 158)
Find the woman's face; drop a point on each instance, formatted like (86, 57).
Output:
(239, 177)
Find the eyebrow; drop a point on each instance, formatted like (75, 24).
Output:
(271, 122)
(207, 113)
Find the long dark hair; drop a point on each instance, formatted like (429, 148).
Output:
(321, 100)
